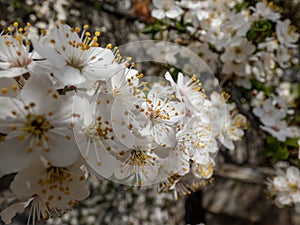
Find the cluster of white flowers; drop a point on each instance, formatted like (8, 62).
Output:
(285, 186)
(272, 113)
(250, 43)
(62, 95)
(252, 49)
(236, 41)
(246, 44)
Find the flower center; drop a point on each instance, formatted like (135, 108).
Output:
(55, 174)
(138, 157)
(237, 50)
(37, 125)
(21, 62)
(155, 112)
(75, 63)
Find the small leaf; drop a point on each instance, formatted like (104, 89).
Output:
(262, 25)
(251, 34)
(292, 142)
(282, 154)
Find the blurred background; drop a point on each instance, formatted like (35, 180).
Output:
(235, 197)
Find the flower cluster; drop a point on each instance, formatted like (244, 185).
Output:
(245, 45)
(271, 114)
(285, 186)
(247, 42)
(253, 51)
(70, 107)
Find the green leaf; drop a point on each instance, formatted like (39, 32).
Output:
(267, 153)
(179, 27)
(262, 25)
(282, 154)
(251, 34)
(292, 142)
(151, 29)
(297, 118)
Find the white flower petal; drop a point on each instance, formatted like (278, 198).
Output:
(63, 150)
(11, 211)
(158, 13)
(15, 155)
(13, 72)
(293, 175)
(174, 12)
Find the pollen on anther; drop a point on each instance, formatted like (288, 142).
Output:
(14, 87)
(55, 96)
(109, 46)
(77, 29)
(4, 90)
(21, 137)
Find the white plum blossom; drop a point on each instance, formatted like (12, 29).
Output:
(286, 33)
(188, 91)
(233, 131)
(280, 130)
(268, 113)
(124, 82)
(285, 186)
(166, 8)
(283, 56)
(75, 60)
(37, 122)
(198, 140)
(205, 53)
(263, 10)
(226, 125)
(203, 170)
(58, 187)
(47, 190)
(232, 67)
(264, 63)
(238, 50)
(162, 53)
(163, 117)
(272, 114)
(238, 23)
(15, 56)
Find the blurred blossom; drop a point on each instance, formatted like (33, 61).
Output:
(285, 186)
